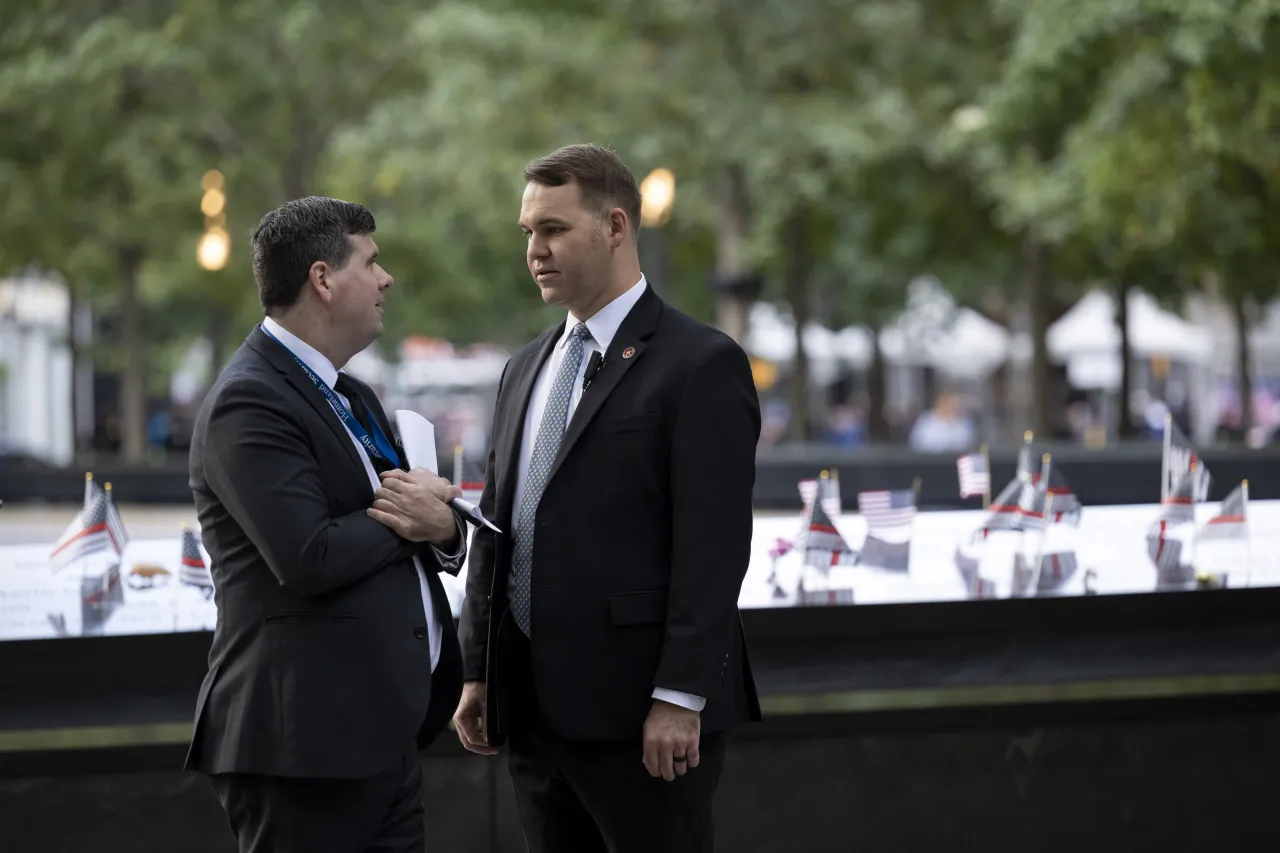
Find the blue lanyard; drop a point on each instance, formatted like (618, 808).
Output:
(377, 445)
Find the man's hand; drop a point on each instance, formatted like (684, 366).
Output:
(472, 719)
(416, 506)
(671, 733)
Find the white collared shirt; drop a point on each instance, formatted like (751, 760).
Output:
(603, 326)
(328, 374)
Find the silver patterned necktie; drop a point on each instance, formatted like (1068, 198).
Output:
(554, 418)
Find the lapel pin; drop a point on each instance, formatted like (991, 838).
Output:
(628, 352)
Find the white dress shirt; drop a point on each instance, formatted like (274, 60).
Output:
(329, 375)
(603, 326)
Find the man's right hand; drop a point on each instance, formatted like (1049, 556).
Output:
(415, 504)
(472, 719)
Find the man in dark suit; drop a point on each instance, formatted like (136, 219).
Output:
(334, 659)
(600, 634)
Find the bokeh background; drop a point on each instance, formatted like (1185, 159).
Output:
(930, 223)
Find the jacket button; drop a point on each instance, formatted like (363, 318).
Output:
(420, 631)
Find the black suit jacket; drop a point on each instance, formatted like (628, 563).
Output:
(320, 663)
(643, 533)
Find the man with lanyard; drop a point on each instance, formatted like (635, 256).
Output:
(335, 659)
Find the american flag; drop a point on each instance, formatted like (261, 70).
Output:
(976, 586)
(115, 524)
(471, 489)
(808, 492)
(887, 509)
(829, 493)
(824, 547)
(1166, 553)
(1031, 505)
(975, 479)
(881, 554)
(1179, 505)
(1065, 507)
(1004, 512)
(1181, 458)
(1056, 570)
(193, 570)
(1232, 519)
(86, 534)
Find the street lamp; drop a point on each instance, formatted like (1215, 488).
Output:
(215, 245)
(657, 196)
(657, 193)
(214, 248)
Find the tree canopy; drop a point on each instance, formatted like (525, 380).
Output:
(1019, 151)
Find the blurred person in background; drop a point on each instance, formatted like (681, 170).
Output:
(944, 428)
(600, 633)
(334, 658)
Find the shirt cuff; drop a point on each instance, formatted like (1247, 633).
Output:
(450, 560)
(684, 700)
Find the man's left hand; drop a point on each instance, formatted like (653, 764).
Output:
(671, 735)
(415, 504)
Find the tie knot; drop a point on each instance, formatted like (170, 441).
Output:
(345, 386)
(580, 332)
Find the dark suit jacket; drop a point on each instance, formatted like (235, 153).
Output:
(320, 664)
(643, 533)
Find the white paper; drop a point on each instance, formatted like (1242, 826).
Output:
(418, 437)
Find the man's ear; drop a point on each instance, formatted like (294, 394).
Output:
(318, 281)
(619, 227)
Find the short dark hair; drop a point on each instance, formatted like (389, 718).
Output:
(295, 235)
(603, 179)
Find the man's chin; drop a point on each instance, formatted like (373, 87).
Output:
(552, 295)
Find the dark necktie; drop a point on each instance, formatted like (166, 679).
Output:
(347, 388)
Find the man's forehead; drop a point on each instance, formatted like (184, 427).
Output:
(539, 198)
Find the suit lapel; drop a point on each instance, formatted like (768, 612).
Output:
(624, 351)
(282, 360)
(508, 456)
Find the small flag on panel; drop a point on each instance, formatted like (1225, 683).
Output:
(975, 479)
(1232, 520)
(886, 510)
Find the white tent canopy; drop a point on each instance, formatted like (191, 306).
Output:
(771, 336)
(956, 342)
(1089, 330)
(931, 332)
(969, 346)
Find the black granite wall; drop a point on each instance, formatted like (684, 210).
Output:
(1203, 784)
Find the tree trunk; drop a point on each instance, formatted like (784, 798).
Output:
(1037, 259)
(308, 143)
(133, 373)
(1242, 363)
(1125, 428)
(81, 376)
(654, 261)
(731, 260)
(877, 424)
(297, 176)
(219, 319)
(795, 241)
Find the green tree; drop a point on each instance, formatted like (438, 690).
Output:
(1166, 173)
(94, 161)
